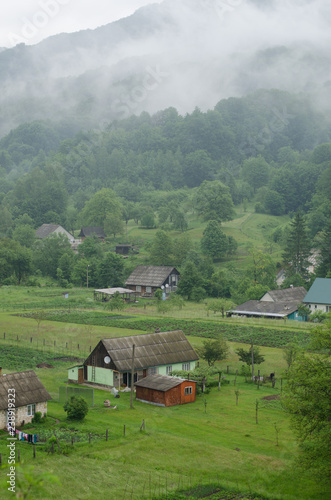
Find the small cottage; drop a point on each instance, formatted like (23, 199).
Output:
(29, 394)
(125, 249)
(162, 390)
(110, 363)
(145, 280)
(89, 232)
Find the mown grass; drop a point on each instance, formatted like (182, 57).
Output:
(211, 440)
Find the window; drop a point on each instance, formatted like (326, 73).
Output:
(188, 391)
(148, 289)
(315, 307)
(186, 367)
(31, 410)
(168, 369)
(153, 370)
(138, 288)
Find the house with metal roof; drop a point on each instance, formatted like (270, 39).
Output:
(145, 280)
(282, 303)
(318, 298)
(162, 390)
(28, 395)
(267, 309)
(110, 363)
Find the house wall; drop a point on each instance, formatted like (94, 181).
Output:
(22, 415)
(187, 398)
(319, 307)
(61, 230)
(266, 298)
(104, 376)
(151, 395)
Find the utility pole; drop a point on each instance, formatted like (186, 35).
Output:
(132, 376)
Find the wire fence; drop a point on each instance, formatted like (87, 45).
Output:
(59, 348)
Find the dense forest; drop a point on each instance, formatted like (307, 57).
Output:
(269, 149)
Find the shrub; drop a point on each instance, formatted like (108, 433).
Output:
(76, 408)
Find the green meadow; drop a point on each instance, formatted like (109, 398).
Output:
(226, 444)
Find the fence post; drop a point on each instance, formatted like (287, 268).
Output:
(227, 369)
(4, 335)
(18, 456)
(106, 434)
(34, 451)
(89, 438)
(124, 431)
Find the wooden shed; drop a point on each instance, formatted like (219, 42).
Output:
(162, 390)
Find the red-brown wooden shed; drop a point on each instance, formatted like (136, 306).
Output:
(162, 390)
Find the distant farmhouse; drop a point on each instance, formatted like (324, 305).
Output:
(30, 397)
(110, 363)
(125, 249)
(47, 230)
(318, 298)
(145, 280)
(274, 304)
(88, 232)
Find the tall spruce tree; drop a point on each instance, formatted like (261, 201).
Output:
(298, 247)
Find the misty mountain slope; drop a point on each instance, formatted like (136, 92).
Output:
(182, 54)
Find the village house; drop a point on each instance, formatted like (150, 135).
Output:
(30, 397)
(276, 304)
(145, 280)
(47, 230)
(89, 232)
(110, 363)
(162, 390)
(126, 249)
(318, 298)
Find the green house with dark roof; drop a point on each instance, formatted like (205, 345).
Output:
(318, 298)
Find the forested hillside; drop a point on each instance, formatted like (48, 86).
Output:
(168, 172)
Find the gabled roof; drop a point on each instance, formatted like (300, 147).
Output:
(319, 292)
(258, 308)
(92, 231)
(152, 349)
(46, 229)
(292, 294)
(160, 382)
(28, 389)
(150, 275)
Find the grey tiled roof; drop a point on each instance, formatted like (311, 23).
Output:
(152, 349)
(292, 294)
(149, 275)
(159, 382)
(28, 389)
(258, 308)
(46, 229)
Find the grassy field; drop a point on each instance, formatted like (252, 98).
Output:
(210, 441)
(250, 230)
(212, 444)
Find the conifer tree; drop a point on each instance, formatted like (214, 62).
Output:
(298, 247)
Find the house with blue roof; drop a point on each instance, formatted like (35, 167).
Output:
(318, 298)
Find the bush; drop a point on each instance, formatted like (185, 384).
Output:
(76, 408)
(38, 418)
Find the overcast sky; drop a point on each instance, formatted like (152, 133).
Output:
(30, 21)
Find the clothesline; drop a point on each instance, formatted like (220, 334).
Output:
(23, 436)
